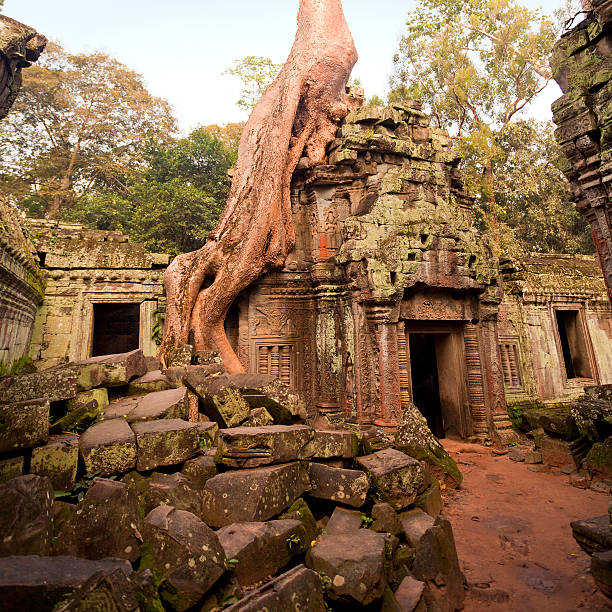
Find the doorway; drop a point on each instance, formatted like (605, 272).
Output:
(438, 381)
(573, 344)
(116, 328)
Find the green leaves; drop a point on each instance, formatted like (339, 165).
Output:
(256, 74)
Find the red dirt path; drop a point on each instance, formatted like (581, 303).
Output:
(513, 537)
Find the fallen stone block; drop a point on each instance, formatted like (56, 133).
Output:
(599, 458)
(601, 570)
(85, 397)
(23, 425)
(261, 549)
(58, 461)
(11, 468)
(173, 490)
(517, 454)
(78, 419)
(559, 422)
(594, 534)
(343, 520)
(37, 584)
(332, 444)
(437, 565)
(415, 523)
(180, 356)
(165, 442)
(252, 495)
(185, 551)
(54, 385)
(354, 565)
(26, 516)
(349, 487)
(385, 519)
(149, 383)
(250, 447)
(104, 524)
(396, 478)
(259, 417)
(208, 432)
(533, 456)
(170, 404)
(108, 447)
(409, 594)
(199, 470)
(557, 452)
(110, 370)
(177, 374)
(297, 589)
(300, 511)
(430, 500)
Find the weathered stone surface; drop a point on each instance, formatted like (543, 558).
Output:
(58, 461)
(199, 470)
(395, 477)
(437, 565)
(343, 520)
(11, 468)
(26, 516)
(262, 549)
(255, 446)
(252, 495)
(414, 438)
(599, 458)
(54, 385)
(104, 524)
(208, 432)
(197, 373)
(180, 356)
(415, 523)
(165, 442)
(409, 594)
(169, 404)
(185, 551)
(174, 490)
(559, 423)
(84, 397)
(108, 447)
(111, 370)
(328, 444)
(385, 519)
(23, 424)
(431, 500)
(556, 451)
(36, 583)
(297, 589)
(533, 456)
(355, 565)
(517, 454)
(601, 570)
(593, 412)
(259, 417)
(349, 487)
(594, 534)
(300, 511)
(149, 383)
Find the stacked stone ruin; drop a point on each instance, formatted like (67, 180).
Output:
(195, 488)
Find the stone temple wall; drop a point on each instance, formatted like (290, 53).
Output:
(549, 301)
(582, 65)
(94, 276)
(21, 282)
(389, 289)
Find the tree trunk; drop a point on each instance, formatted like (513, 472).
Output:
(298, 114)
(59, 198)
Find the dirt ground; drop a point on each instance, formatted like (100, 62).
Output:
(513, 536)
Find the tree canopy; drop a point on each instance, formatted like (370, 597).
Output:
(256, 74)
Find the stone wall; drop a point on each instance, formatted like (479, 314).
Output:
(86, 268)
(386, 252)
(582, 65)
(21, 282)
(543, 295)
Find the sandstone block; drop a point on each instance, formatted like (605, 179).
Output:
(430, 500)
(110, 370)
(533, 456)
(300, 511)
(415, 523)
(409, 593)
(344, 521)
(252, 495)
(37, 584)
(103, 525)
(396, 478)
(170, 404)
(26, 516)
(108, 447)
(261, 549)
(208, 432)
(54, 385)
(149, 383)
(199, 470)
(180, 356)
(594, 534)
(185, 551)
(11, 468)
(259, 417)
(23, 424)
(556, 452)
(349, 487)
(354, 565)
(297, 589)
(85, 397)
(332, 444)
(58, 461)
(385, 519)
(601, 570)
(165, 442)
(255, 446)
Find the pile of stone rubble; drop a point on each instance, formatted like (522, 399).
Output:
(195, 490)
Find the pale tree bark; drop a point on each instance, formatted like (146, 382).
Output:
(297, 115)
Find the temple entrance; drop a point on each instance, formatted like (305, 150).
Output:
(438, 380)
(115, 328)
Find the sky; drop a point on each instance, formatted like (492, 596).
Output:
(182, 47)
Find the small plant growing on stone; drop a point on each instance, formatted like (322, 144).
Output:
(366, 521)
(294, 542)
(231, 563)
(206, 443)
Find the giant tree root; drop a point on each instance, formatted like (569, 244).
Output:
(298, 114)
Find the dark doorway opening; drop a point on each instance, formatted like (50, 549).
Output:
(115, 328)
(425, 385)
(573, 344)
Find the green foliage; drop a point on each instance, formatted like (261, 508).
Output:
(157, 330)
(80, 488)
(231, 564)
(256, 74)
(366, 521)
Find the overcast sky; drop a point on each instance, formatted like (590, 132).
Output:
(182, 47)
